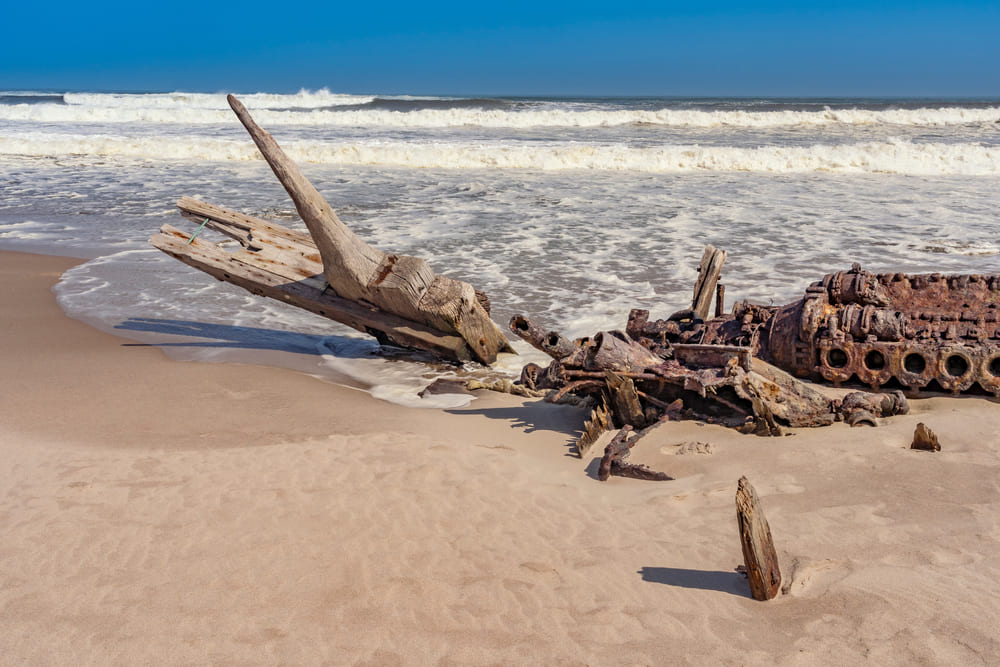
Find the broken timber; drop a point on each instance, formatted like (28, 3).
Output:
(709, 271)
(758, 547)
(332, 272)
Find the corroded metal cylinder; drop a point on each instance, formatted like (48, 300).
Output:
(923, 331)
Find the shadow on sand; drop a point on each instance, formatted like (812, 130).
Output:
(708, 580)
(536, 416)
(226, 336)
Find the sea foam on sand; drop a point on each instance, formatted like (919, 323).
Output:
(164, 512)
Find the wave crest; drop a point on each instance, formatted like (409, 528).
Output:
(892, 157)
(326, 109)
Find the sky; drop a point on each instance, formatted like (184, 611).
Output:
(723, 48)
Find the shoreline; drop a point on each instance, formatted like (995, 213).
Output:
(176, 512)
(59, 359)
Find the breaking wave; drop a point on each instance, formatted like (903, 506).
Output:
(323, 108)
(890, 157)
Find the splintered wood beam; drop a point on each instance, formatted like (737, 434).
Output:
(350, 262)
(625, 403)
(708, 276)
(241, 268)
(599, 423)
(758, 548)
(197, 211)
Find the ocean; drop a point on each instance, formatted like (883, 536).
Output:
(569, 211)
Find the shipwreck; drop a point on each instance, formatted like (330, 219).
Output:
(894, 333)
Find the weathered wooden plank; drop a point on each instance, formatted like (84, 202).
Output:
(708, 276)
(198, 210)
(625, 400)
(386, 327)
(758, 548)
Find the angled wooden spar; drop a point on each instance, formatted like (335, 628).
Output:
(349, 263)
(333, 273)
(394, 284)
(405, 286)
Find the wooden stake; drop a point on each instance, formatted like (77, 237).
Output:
(708, 276)
(758, 548)
(924, 438)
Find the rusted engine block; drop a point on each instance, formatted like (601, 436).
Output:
(927, 331)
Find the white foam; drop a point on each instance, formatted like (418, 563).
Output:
(317, 108)
(304, 99)
(891, 157)
(408, 395)
(961, 247)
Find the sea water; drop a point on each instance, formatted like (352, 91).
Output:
(569, 211)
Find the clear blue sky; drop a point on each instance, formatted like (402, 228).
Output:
(851, 48)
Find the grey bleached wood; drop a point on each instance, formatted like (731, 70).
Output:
(238, 225)
(708, 276)
(399, 284)
(281, 281)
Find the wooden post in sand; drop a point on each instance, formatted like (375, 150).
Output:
(758, 548)
(708, 276)
(924, 438)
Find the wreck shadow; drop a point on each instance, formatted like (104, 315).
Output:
(708, 580)
(594, 467)
(226, 336)
(536, 416)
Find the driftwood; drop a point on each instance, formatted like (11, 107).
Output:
(297, 281)
(332, 272)
(758, 548)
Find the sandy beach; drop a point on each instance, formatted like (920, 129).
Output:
(163, 512)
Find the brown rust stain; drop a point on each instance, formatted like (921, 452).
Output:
(385, 269)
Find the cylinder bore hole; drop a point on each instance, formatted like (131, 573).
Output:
(874, 361)
(956, 365)
(994, 367)
(552, 339)
(914, 363)
(836, 357)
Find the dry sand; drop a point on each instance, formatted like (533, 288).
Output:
(155, 511)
